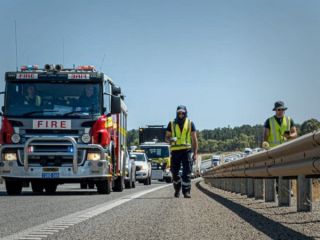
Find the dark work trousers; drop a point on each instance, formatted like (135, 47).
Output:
(177, 158)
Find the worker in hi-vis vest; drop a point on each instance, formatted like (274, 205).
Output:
(181, 134)
(278, 128)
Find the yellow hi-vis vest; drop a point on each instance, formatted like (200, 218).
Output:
(183, 138)
(276, 135)
(109, 122)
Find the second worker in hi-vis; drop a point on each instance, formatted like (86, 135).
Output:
(181, 134)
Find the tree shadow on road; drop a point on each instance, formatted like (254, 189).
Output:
(273, 229)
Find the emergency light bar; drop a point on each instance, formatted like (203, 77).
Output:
(56, 72)
(86, 68)
(29, 67)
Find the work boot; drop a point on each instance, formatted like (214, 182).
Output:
(177, 194)
(187, 195)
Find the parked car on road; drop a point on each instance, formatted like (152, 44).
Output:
(143, 167)
(130, 177)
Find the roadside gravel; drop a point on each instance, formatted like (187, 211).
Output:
(209, 214)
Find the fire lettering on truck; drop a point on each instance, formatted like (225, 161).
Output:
(51, 124)
(27, 76)
(78, 76)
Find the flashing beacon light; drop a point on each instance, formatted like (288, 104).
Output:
(29, 67)
(70, 149)
(86, 68)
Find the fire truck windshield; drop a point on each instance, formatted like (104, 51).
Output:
(156, 151)
(78, 100)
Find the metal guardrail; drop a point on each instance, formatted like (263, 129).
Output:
(299, 158)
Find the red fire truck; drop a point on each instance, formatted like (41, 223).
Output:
(62, 125)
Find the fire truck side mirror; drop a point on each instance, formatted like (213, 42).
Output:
(116, 90)
(115, 104)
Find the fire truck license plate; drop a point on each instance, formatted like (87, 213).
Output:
(51, 124)
(50, 175)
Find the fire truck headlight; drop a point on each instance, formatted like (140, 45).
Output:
(85, 138)
(10, 156)
(93, 156)
(15, 138)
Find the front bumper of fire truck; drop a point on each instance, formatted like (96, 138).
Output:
(15, 161)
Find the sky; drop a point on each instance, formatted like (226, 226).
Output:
(228, 61)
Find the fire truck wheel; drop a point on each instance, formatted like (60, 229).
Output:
(118, 184)
(50, 188)
(91, 185)
(128, 184)
(13, 187)
(103, 187)
(83, 185)
(37, 187)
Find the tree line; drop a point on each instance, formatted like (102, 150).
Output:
(231, 139)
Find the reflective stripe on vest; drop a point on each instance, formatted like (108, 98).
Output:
(276, 135)
(183, 138)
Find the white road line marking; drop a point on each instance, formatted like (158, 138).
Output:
(29, 238)
(37, 235)
(81, 216)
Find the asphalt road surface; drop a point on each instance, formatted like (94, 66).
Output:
(150, 212)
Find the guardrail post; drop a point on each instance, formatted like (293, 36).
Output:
(243, 186)
(258, 188)
(216, 182)
(233, 185)
(212, 182)
(230, 184)
(227, 184)
(250, 188)
(270, 190)
(238, 185)
(304, 194)
(284, 192)
(224, 184)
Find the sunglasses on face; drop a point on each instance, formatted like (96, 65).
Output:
(280, 110)
(181, 113)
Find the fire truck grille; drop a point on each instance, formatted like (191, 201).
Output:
(51, 159)
(50, 131)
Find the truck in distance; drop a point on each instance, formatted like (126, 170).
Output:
(143, 166)
(152, 141)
